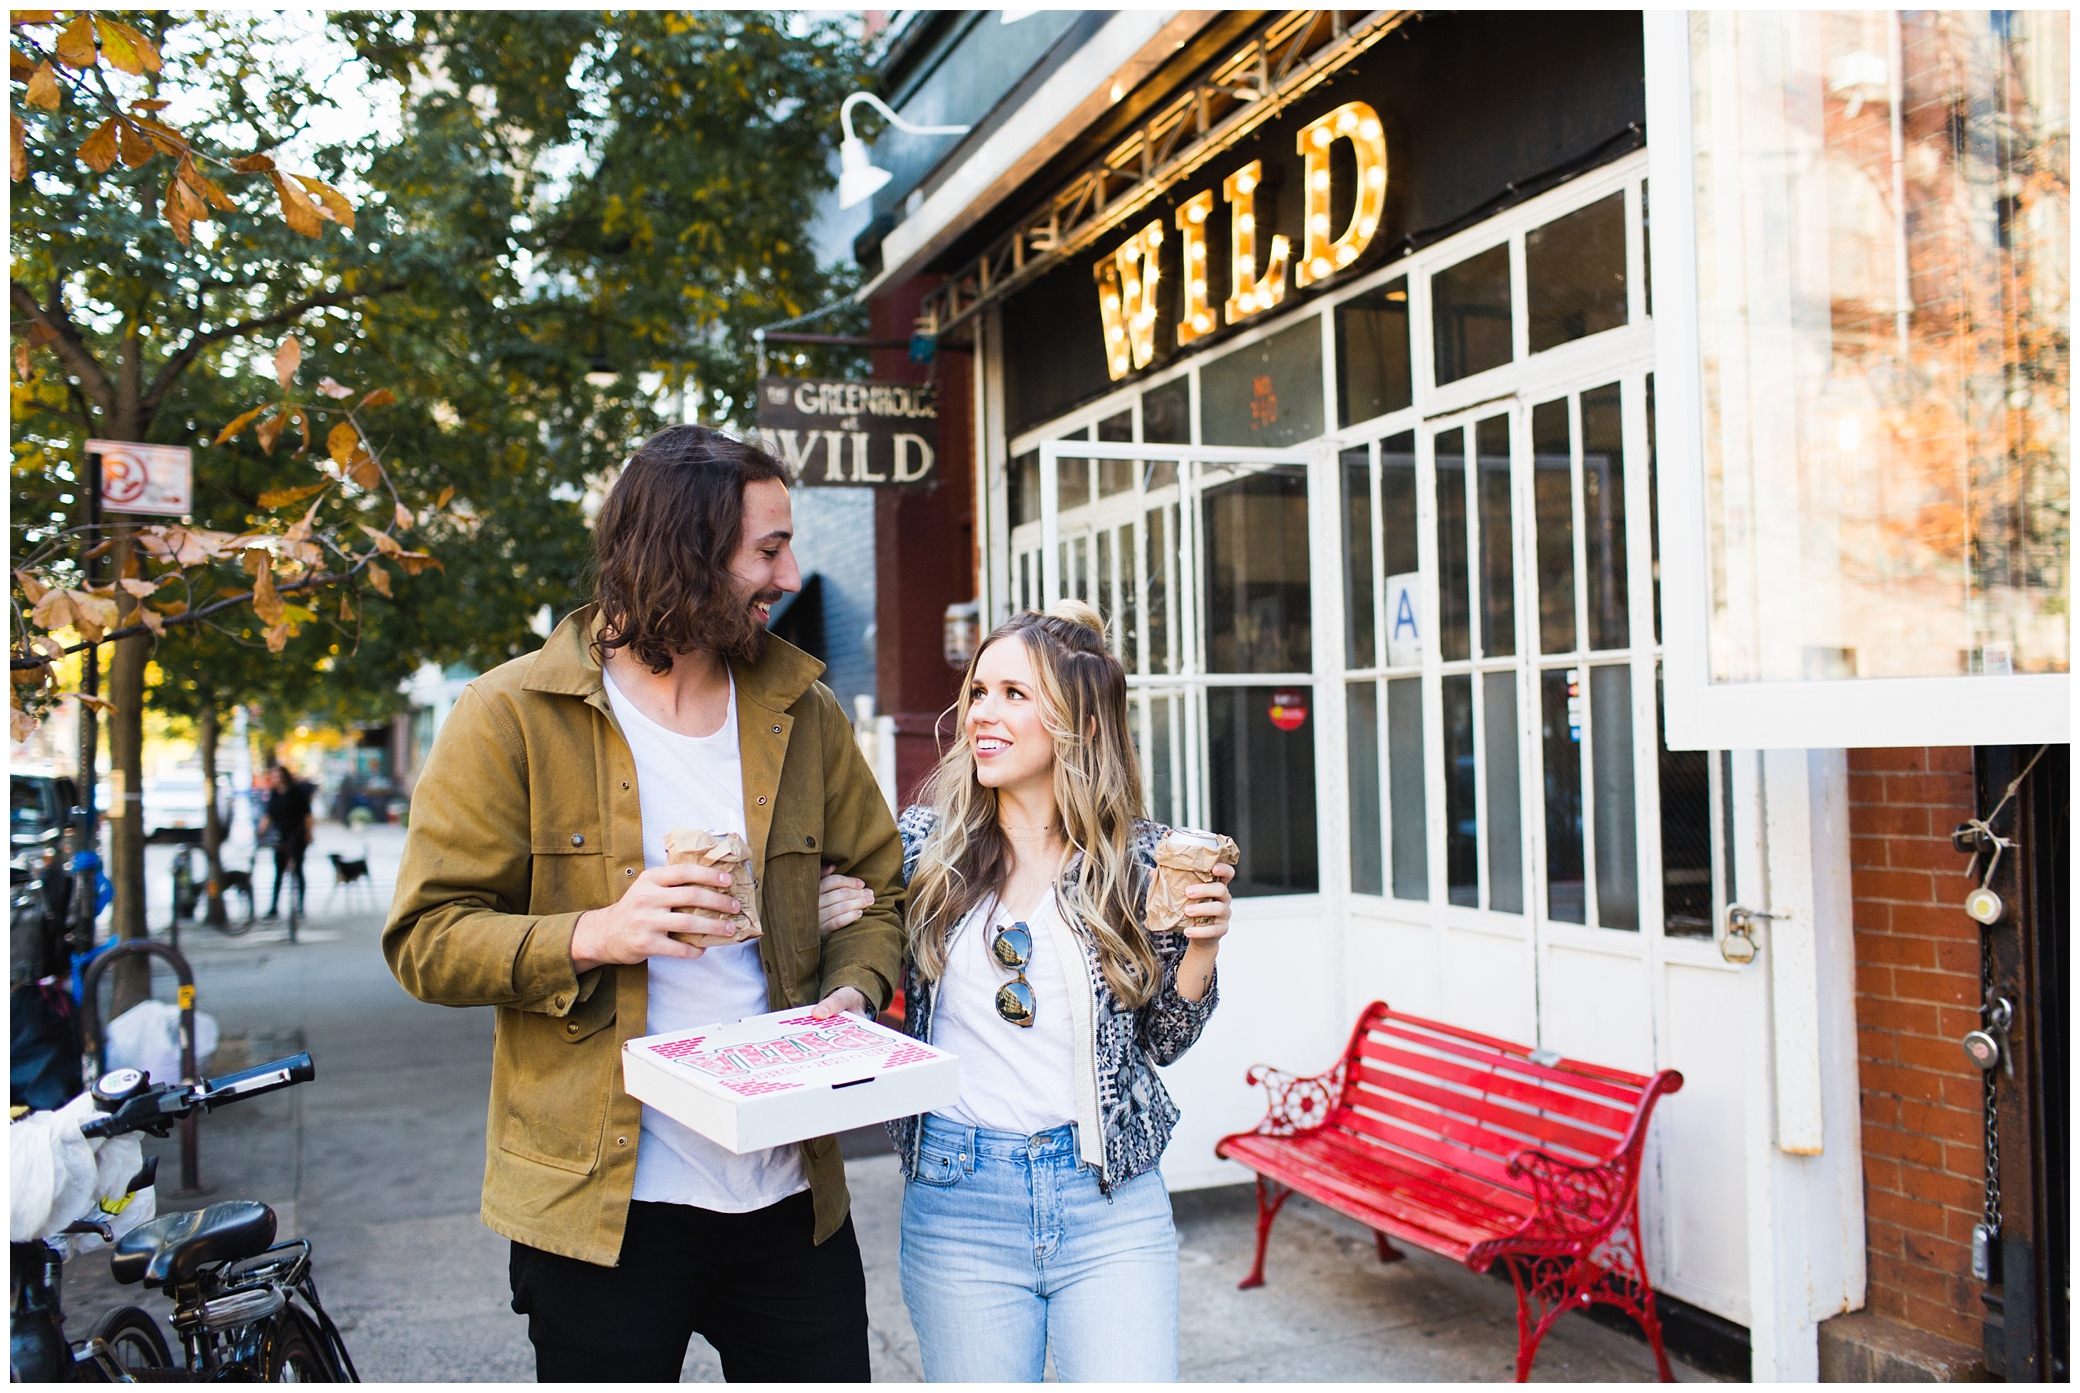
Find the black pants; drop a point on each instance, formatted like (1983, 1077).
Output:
(288, 862)
(775, 1305)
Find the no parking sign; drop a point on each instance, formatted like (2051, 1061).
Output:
(155, 479)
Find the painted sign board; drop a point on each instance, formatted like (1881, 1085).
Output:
(1404, 619)
(836, 431)
(158, 480)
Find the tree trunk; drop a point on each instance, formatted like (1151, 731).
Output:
(212, 824)
(126, 761)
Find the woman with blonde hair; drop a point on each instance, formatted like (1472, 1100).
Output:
(1034, 1219)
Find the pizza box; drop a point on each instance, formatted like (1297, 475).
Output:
(787, 1076)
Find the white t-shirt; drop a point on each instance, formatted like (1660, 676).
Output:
(699, 783)
(1013, 1078)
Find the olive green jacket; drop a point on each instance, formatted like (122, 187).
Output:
(525, 817)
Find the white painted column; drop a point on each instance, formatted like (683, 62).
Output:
(1803, 1104)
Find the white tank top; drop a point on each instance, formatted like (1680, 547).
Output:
(1013, 1078)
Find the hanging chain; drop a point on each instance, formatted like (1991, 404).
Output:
(1992, 1218)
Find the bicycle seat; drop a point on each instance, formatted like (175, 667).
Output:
(173, 1247)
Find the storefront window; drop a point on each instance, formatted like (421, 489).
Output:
(1470, 316)
(1267, 394)
(1552, 501)
(1883, 257)
(1355, 467)
(1407, 803)
(1116, 476)
(1603, 517)
(1574, 274)
(1361, 711)
(1373, 368)
(1617, 837)
(1260, 772)
(1166, 414)
(1498, 591)
(1505, 825)
(1686, 839)
(1259, 608)
(1454, 640)
(1560, 717)
(1022, 489)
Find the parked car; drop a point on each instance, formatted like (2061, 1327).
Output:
(174, 809)
(39, 876)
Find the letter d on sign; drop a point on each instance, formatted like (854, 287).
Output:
(904, 473)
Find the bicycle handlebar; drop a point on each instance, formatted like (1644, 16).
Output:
(131, 1102)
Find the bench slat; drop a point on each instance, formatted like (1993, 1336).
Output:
(1554, 1132)
(1584, 1110)
(1381, 1199)
(1475, 1196)
(1453, 1154)
(1576, 1072)
(1626, 1094)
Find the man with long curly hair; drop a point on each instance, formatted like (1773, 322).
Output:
(534, 881)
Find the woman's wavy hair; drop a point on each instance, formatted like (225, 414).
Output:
(1097, 793)
(663, 545)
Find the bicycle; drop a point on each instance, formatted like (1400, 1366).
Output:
(244, 1306)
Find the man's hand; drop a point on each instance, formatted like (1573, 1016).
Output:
(641, 923)
(840, 900)
(843, 999)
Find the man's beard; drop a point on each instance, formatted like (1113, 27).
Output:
(735, 632)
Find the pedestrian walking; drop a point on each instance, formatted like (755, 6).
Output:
(1034, 1219)
(286, 819)
(534, 881)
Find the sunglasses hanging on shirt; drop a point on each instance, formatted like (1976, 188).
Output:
(1013, 947)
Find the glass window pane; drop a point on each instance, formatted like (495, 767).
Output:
(1552, 496)
(1453, 639)
(1072, 488)
(1574, 274)
(1268, 393)
(1079, 568)
(1116, 475)
(1118, 427)
(1022, 489)
(1397, 545)
(1461, 803)
(1505, 825)
(1362, 709)
(1686, 838)
(1162, 727)
(1653, 507)
(1469, 314)
(1103, 600)
(1166, 413)
(1129, 603)
(1025, 581)
(1261, 781)
(1617, 840)
(1372, 367)
(1405, 789)
(1498, 563)
(1560, 719)
(1603, 517)
(1357, 557)
(1258, 600)
(1885, 320)
(1160, 530)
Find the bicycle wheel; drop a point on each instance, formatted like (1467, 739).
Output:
(134, 1342)
(295, 1354)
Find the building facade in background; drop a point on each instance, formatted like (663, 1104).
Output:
(1582, 499)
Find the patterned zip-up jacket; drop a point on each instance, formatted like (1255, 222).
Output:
(1134, 1110)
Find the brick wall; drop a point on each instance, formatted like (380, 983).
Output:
(1917, 993)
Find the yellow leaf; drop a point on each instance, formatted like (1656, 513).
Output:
(46, 646)
(381, 396)
(165, 137)
(137, 148)
(404, 517)
(297, 209)
(53, 609)
(331, 202)
(342, 443)
(287, 358)
(33, 589)
(267, 602)
(445, 494)
(302, 530)
(19, 65)
(152, 621)
(139, 588)
(93, 702)
(175, 210)
(333, 389)
(277, 637)
(76, 43)
(231, 431)
(205, 188)
(417, 561)
(127, 48)
(379, 579)
(17, 150)
(93, 615)
(149, 104)
(269, 430)
(255, 559)
(385, 543)
(282, 498)
(169, 608)
(365, 472)
(98, 151)
(252, 164)
(43, 88)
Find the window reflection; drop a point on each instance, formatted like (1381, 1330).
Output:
(1372, 362)
(1461, 803)
(1022, 489)
(1166, 413)
(1409, 835)
(1617, 837)
(1560, 719)
(1268, 393)
(1258, 598)
(1505, 825)
(1574, 274)
(1356, 469)
(1603, 517)
(1361, 707)
(1159, 557)
(1397, 547)
(1552, 499)
(1498, 566)
(1072, 484)
(1262, 791)
(1116, 475)
(1453, 640)
(1686, 836)
(1470, 315)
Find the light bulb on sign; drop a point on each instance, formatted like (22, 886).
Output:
(1359, 124)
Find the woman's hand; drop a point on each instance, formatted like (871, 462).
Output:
(840, 900)
(1205, 924)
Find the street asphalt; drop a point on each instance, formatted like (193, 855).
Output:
(378, 1163)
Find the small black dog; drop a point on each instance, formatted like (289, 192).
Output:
(345, 872)
(239, 883)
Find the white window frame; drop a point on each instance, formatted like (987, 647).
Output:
(1831, 714)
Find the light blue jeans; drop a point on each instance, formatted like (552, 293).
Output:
(1010, 1248)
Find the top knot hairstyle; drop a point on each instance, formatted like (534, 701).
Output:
(663, 545)
(1082, 692)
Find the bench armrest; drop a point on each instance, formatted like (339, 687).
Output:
(1577, 1201)
(1297, 1103)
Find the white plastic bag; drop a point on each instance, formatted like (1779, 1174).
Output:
(148, 1037)
(51, 1170)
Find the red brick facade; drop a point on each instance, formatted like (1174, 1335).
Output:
(1917, 993)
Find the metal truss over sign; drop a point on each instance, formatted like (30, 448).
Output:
(1287, 57)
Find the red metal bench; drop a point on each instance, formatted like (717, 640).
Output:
(1474, 1148)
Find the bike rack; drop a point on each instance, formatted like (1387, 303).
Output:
(90, 1021)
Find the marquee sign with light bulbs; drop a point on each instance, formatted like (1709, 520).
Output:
(1131, 296)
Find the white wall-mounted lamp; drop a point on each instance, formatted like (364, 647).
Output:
(857, 176)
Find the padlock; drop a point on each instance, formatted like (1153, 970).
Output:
(1982, 1251)
(1984, 905)
(1982, 1049)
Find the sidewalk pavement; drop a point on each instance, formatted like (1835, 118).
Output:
(378, 1163)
